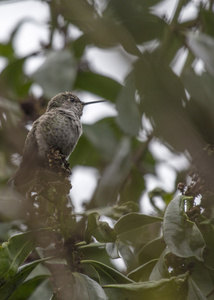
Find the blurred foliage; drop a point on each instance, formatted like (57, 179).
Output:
(170, 86)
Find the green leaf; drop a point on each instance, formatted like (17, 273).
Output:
(202, 277)
(96, 251)
(133, 221)
(163, 195)
(13, 81)
(114, 175)
(114, 212)
(78, 46)
(107, 274)
(166, 289)
(100, 140)
(128, 110)
(47, 76)
(14, 282)
(170, 54)
(134, 186)
(102, 137)
(103, 86)
(112, 250)
(194, 293)
(151, 250)
(24, 291)
(127, 255)
(91, 157)
(207, 230)
(143, 272)
(202, 46)
(85, 288)
(102, 32)
(100, 230)
(7, 269)
(6, 50)
(160, 270)
(200, 106)
(182, 236)
(11, 109)
(200, 87)
(136, 230)
(14, 252)
(162, 99)
(208, 21)
(83, 245)
(144, 26)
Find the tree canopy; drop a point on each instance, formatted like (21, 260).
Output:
(49, 249)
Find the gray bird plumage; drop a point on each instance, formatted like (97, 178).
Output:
(58, 128)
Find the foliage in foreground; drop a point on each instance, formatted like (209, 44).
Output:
(48, 250)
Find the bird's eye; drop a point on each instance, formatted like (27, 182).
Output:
(71, 99)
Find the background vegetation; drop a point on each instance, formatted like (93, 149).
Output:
(53, 253)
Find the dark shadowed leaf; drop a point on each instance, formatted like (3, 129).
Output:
(114, 175)
(208, 21)
(14, 282)
(129, 258)
(6, 50)
(144, 26)
(133, 187)
(103, 86)
(162, 100)
(143, 272)
(133, 221)
(207, 230)
(140, 235)
(86, 18)
(91, 157)
(78, 46)
(96, 251)
(202, 46)
(160, 269)
(114, 212)
(112, 250)
(200, 87)
(166, 289)
(100, 230)
(102, 137)
(24, 291)
(200, 106)
(14, 252)
(100, 140)
(85, 288)
(107, 274)
(194, 293)
(151, 251)
(57, 74)
(129, 118)
(13, 82)
(202, 277)
(182, 236)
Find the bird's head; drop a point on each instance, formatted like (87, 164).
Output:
(70, 102)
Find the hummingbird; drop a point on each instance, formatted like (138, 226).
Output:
(59, 128)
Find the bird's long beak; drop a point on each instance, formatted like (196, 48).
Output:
(92, 102)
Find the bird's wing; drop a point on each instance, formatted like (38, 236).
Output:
(30, 161)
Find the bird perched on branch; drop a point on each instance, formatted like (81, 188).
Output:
(59, 128)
